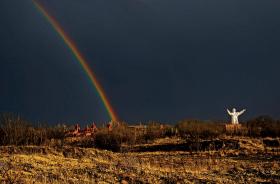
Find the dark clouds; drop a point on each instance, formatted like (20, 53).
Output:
(157, 59)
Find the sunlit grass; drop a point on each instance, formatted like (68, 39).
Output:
(250, 164)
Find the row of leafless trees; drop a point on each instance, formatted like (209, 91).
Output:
(262, 126)
(16, 131)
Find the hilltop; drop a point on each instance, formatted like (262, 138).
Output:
(252, 161)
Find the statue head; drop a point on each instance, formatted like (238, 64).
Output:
(233, 110)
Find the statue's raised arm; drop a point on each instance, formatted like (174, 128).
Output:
(241, 112)
(229, 112)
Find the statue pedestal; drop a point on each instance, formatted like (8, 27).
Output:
(233, 127)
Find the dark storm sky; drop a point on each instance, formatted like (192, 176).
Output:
(156, 59)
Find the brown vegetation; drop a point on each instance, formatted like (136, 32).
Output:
(16, 131)
(192, 151)
(251, 162)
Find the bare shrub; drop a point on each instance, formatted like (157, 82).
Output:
(16, 131)
(199, 129)
(107, 140)
(13, 130)
(56, 134)
(153, 131)
(263, 126)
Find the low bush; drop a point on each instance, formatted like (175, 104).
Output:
(199, 129)
(263, 126)
(56, 133)
(107, 140)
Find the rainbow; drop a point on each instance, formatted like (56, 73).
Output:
(81, 59)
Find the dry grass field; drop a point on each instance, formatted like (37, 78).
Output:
(252, 162)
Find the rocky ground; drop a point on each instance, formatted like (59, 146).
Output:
(252, 161)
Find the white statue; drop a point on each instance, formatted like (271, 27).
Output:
(234, 115)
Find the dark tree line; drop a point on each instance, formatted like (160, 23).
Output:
(16, 131)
